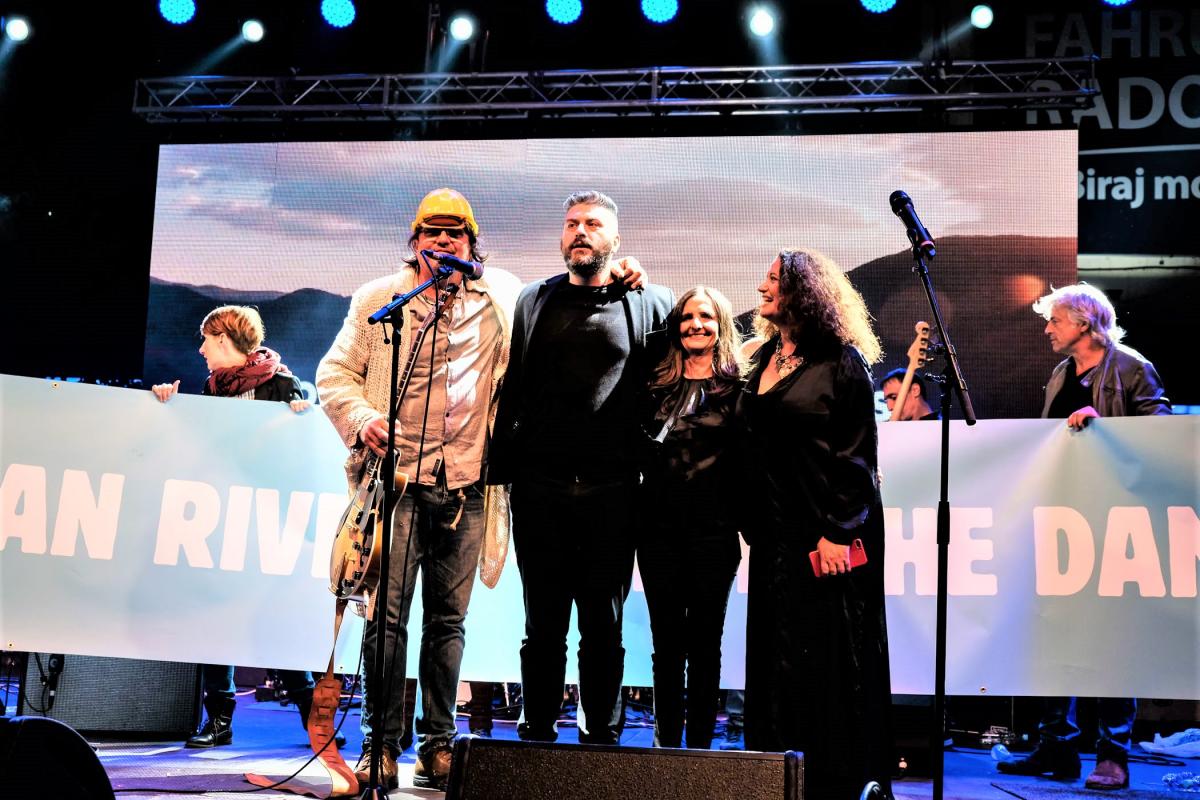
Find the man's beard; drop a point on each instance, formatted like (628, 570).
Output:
(590, 265)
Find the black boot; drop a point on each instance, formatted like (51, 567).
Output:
(303, 701)
(1059, 760)
(218, 728)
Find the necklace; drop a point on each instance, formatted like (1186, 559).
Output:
(785, 365)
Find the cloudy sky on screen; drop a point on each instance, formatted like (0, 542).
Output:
(332, 215)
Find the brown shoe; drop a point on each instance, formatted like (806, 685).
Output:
(388, 773)
(432, 770)
(1108, 775)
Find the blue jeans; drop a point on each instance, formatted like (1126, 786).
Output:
(446, 552)
(1115, 716)
(218, 681)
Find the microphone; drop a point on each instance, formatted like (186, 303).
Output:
(902, 207)
(54, 668)
(471, 270)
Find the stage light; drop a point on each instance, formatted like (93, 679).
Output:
(660, 11)
(461, 28)
(762, 22)
(17, 29)
(564, 12)
(982, 16)
(253, 31)
(177, 12)
(878, 6)
(338, 13)
(1117, 2)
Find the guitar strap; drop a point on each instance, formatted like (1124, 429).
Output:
(322, 720)
(322, 725)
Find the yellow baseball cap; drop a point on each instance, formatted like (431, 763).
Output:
(443, 203)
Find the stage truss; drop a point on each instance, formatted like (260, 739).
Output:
(874, 87)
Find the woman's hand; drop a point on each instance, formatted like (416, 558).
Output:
(300, 406)
(165, 391)
(834, 558)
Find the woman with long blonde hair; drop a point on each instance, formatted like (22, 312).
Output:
(688, 550)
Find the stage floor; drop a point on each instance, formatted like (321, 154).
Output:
(269, 740)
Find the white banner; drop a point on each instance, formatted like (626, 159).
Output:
(200, 530)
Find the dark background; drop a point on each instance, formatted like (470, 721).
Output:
(77, 168)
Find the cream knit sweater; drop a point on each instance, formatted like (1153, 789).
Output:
(352, 383)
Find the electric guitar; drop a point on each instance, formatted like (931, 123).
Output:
(918, 356)
(354, 560)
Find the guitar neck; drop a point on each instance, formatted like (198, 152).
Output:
(916, 359)
(902, 397)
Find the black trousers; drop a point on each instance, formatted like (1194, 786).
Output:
(574, 543)
(687, 573)
(817, 676)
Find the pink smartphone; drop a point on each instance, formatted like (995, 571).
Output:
(858, 557)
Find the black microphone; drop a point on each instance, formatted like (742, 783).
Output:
(902, 207)
(471, 270)
(54, 668)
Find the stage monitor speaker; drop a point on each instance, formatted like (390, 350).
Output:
(115, 695)
(496, 769)
(44, 758)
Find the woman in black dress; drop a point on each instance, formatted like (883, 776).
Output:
(817, 675)
(239, 366)
(688, 552)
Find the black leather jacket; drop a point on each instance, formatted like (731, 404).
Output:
(1124, 384)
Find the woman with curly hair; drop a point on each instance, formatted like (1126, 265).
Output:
(817, 675)
(688, 550)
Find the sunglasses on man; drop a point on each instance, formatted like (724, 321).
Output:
(434, 232)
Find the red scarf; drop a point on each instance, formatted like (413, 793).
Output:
(261, 366)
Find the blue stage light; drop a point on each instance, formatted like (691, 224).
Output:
(253, 31)
(564, 12)
(982, 16)
(177, 12)
(1117, 2)
(461, 28)
(878, 6)
(660, 11)
(762, 22)
(338, 13)
(17, 29)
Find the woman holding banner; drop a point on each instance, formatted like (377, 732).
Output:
(817, 675)
(239, 366)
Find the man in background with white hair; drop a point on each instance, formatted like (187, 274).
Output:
(1100, 377)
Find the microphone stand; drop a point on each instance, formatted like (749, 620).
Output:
(951, 379)
(393, 314)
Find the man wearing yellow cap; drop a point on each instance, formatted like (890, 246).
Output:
(442, 426)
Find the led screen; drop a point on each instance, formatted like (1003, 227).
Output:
(294, 228)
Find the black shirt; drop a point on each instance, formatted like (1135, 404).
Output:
(586, 412)
(811, 449)
(1073, 396)
(690, 481)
